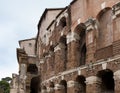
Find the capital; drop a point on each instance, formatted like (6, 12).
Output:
(72, 36)
(117, 75)
(72, 84)
(93, 79)
(58, 87)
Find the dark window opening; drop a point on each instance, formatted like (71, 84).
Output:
(82, 85)
(107, 85)
(34, 86)
(64, 83)
(63, 22)
(32, 68)
(81, 31)
(83, 49)
(83, 55)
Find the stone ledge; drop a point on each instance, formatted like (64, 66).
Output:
(93, 79)
(100, 62)
(72, 36)
(72, 84)
(58, 87)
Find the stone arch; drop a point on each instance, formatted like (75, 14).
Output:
(62, 22)
(102, 12)
(80, 29)
(35, 85)
(32, 68)
(80, 79)
(104, 34)
(81, 32)
(64, 83)
(107, 81)
(105, 29)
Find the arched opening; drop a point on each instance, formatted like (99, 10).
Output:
(34, 86)
(80, 30)
(105, 31)
(104, 34)
(64, 83)
(63, 42)
(82, 85)
(107, 85)
(62, 22)
(32, 68)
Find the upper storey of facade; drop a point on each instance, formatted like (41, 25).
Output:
(85, 32)
(48, 16)
(75, 45)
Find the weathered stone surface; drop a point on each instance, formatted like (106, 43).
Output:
(77, 49)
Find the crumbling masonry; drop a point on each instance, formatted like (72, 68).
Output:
(77, 50)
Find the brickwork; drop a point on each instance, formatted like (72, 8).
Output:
(84, 43)
(77, 49)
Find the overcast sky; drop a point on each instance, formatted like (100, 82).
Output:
(18, 21)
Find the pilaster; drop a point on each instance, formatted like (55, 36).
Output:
(60, 57)
(91, 33)
(73, 87)
(117, 81)
(93, 84)
(59, 88)
(73, 49)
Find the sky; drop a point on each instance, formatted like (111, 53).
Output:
(18, 21)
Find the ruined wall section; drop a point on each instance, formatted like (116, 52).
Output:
(28, 45)
(55, 56)
(92, 49)
(47, 19)
(42, 37)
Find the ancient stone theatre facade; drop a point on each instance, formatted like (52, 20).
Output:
(77, 49)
